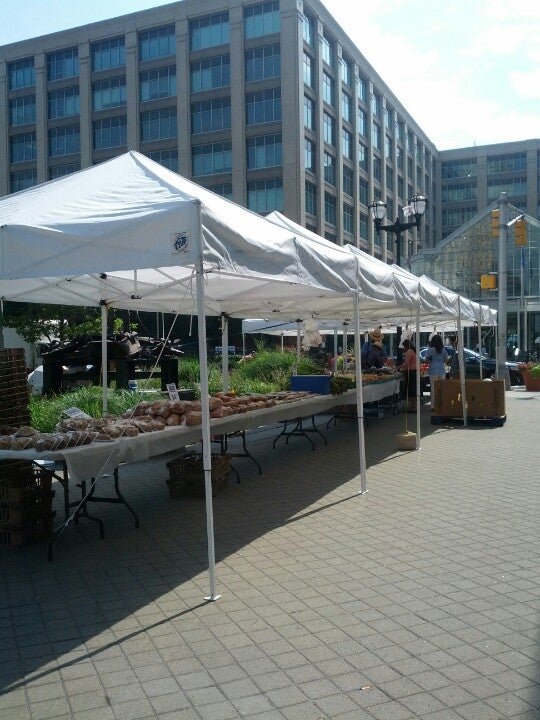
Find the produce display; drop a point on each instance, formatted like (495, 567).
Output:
(144, 417)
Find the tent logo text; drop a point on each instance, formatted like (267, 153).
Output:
(180, 242)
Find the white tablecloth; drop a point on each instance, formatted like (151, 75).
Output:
(92, 460)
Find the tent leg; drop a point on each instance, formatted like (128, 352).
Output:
(359, 396)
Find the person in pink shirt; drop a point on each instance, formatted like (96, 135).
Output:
(408, 367)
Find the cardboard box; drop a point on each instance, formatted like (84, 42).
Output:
(485, 398)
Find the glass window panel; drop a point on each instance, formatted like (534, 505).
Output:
(64, 103)
(327, 51)
(262, 19)
(58, 171)
(22, 148)
(328, 90)
(157, 84)
(22, 180)
(311, 198)
(209, 31)
(64, 141)
(157, 43)
(211, 73)
(109, 93)
(21, 74)
(263, 107)
(158, 124)
(309, 73)
(308, 31)
(211, 115)
(108, 54)
(263, 63)
(329, 168)
(310, 155)
(109, 133)
(22, 110)
(167, 158)
(212, 158)
(63, 64)
(264, 151)
(346, 143)
(348, 219)
(330, 209)
(309, 113)
(348, 180)
(264, 196)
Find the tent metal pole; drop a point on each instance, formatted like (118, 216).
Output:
(225, 350)
(345, 359)
(359, 397)
(335, 367)
(298, 340)
(418, 396)
(461, 365)
(104, 356)
(205, 410)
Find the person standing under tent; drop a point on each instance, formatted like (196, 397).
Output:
(437, 357)
(409, 369)
(373, 349)
(454, 360)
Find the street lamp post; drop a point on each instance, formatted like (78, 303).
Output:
(417, 206)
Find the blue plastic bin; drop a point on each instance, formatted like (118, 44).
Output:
(319, 384)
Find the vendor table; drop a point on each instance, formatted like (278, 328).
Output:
(90, 462)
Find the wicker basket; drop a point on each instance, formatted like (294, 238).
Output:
(186, 476)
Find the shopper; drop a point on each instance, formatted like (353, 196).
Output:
(409, 369)
(373, 353)
(454, 360)
(437, 357)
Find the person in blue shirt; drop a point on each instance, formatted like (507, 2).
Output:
(373, 353)
(437, 358)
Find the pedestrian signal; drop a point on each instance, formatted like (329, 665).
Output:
(494, 223)
(520, 232)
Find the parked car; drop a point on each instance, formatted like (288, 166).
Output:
(472, 365)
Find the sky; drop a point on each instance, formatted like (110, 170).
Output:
(468, 71)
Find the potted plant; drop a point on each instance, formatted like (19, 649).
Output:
(531, 375)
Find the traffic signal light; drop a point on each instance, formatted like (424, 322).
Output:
(520, 232)
(488, 282)
(494, 223)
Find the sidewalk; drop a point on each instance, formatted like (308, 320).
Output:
(420, 599)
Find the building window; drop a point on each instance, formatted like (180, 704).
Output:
(262, 19)
(212, 158)
(362, 156)
(22, 180)
(157, 84)
(209, 31)
(512, 162)
(401, 187)
(223, 189)
(211, 73)
(377, 168)
(211, 115)
(108, 54)
(329, 163)
(388, 146)
(458, 192)
(458, 169)
(346, 71)
(363, 226)
(64, 103)
(311, 198)
(346, 143)
(158, 124)
(309, 72)
(513, 187)
(329, 209)
(376, 105)
(22, 148)
(399, 157)
(63, 64)
(309, 113)
(263, 63)
(109, 93)
(329, 129)
(456, 217)
(389, 178)
(310, 156)
(308, 31)
(362, 88)
(167, 158)
(400, 130)
(362, 122)
(346, 106)
(348, 181)
(388, 119)
(328, 90)
(264, 151)
(363, 190)
(327, 51)
(21, 74)
(110, 133)
(410, 142)
(376, 136)
(157, 43)
(348, 219)
(265, 195)
(22, 110)
(64, 141)
(263, 107)
(58, 171)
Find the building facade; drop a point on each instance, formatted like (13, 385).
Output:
(267, 103)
